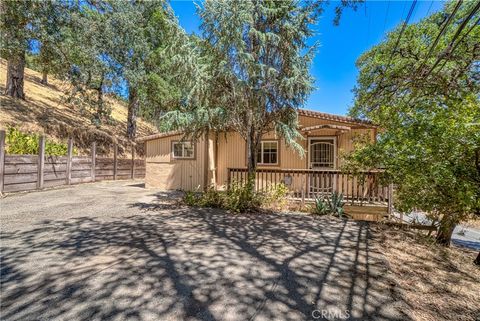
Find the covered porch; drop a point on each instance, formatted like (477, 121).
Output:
(360, 190)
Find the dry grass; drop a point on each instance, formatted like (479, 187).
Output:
(436, 283)
(44, 111)
(475, 223)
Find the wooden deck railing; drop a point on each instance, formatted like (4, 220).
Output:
(363, 187)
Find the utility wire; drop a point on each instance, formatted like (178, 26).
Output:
(429, 8)
(449, 50)
(442, 31)
(368, 27)
(451, 47)
(404, 26)
(386, 17)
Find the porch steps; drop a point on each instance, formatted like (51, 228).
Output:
(366, 213)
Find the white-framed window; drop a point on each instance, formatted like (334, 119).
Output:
(267, 153)
(183, 150)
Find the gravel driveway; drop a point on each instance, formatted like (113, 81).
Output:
(117, 251)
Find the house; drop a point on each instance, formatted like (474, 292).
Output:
(173, 163)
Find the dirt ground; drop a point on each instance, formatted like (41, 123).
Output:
(435, 282)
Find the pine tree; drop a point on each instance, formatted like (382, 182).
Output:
(252, 71)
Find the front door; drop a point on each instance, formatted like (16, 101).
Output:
(322, 155)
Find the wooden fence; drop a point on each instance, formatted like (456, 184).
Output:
(306, 184)
(30, 172)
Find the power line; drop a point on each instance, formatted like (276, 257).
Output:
(404, 26)
(451, 47)
(386, 16)
(448, 52)
(429, 8)
(442, 31)
(369, 23)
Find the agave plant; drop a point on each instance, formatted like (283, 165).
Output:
(336, 203)
(321, 206)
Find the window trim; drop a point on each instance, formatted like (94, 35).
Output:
(260, 162)
(183, 150)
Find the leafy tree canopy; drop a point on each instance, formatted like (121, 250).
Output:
(425, 98)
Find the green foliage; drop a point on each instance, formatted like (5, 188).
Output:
(191, 198)
(336, 203)
(333, 205)
(239, 198)
(321, 206)
(429, 110)
(19, 143)
(276, 196)
(251, 72)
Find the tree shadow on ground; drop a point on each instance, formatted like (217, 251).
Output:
(194, 264)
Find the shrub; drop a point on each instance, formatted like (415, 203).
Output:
(191, 198)
(21, 143)
(276, 196)
(240, 198)
(211, 198)
(333, 205)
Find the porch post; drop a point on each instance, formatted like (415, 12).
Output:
(390, 200)
(212, 179)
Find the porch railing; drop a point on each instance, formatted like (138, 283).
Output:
(361, 188)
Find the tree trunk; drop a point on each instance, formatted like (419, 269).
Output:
(133, 104)
(100, 108)
(477, 260)
(44, 77)
(445, 230)
(15, 74)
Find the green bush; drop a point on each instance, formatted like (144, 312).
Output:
(191, 198)
(333, 205)
(276, 196)
(20, 143)
(238, 198)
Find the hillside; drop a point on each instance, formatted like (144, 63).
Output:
(44, 111)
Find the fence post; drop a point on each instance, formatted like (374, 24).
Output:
(115, 151)
(303, 192)
(93, 153)
(229, 178)
(2, 158)
(69, 160)
(41, 161)
(133, 161)
(390, 200)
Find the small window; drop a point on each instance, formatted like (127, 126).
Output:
(183, 150)
(267, 153)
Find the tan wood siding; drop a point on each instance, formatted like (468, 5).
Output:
(230, 152)
(232, 148)
(165, 172)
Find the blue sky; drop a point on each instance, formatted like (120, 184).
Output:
(334, 65)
